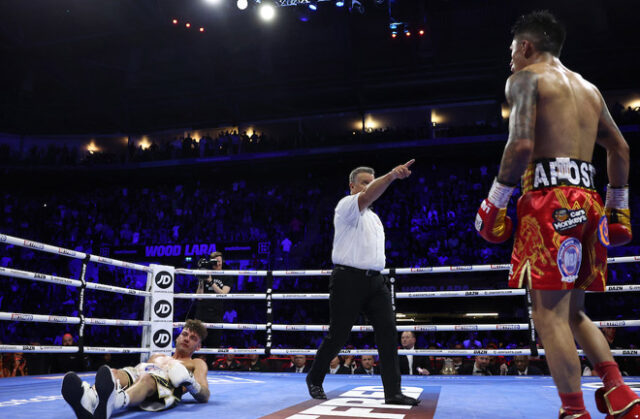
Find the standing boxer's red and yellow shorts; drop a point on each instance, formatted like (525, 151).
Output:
(561, 229)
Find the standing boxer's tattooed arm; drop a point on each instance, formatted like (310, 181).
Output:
(521, 92)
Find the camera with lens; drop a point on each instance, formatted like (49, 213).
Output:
(207, 263)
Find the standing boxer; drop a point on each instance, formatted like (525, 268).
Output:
(556, 119)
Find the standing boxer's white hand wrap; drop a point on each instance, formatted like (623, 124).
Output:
(491, 221)
(617, 197)
(500, 194)
(616, 208)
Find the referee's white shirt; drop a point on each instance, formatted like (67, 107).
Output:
(359, 236)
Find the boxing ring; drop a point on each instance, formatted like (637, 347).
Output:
(280, 395)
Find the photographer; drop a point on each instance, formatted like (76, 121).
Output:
(211, 310)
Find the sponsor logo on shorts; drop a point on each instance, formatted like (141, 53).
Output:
(566, 219)
(603, 231)
(22, 317)
(162, 338)
(569, 259)
(163, 280)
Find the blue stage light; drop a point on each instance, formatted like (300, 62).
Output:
(339, 3)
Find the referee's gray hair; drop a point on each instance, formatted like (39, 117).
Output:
(357, 170)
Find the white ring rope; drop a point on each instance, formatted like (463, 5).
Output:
(415, 328)
(224, 296)
(34, 276)
(53, 318)
(443, 352)
(398, 271)
(196, 272)
(417, 352)
(71, 253)
(260, 351)
(71, 349)
(402, 295)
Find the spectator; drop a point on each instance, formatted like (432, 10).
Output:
(366, 366)
(228, 363)
(521, 366)
(411, 364)
(256, 364)
(336, 367)
(479, 367)
(16, 365)
(69, 361)
(299, 364)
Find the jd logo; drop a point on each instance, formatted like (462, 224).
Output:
(161, 338)
(164, 279)
(162, 308)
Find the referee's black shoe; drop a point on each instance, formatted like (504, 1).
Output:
(401, 399)
(316, 392)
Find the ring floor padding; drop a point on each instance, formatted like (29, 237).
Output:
(248, 395)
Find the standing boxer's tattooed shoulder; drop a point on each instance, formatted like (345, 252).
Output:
(523, 92)
(521, 85)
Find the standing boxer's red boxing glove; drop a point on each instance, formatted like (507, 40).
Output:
(491, 221)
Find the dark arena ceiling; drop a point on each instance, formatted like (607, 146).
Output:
(79, 66)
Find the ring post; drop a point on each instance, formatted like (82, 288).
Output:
(161, 308)
(269, 295)
(532, 329)
(392, 283)
(83, 287)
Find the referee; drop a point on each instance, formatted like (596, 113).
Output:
(356, 283)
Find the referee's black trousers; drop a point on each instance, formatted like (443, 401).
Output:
(352, 292)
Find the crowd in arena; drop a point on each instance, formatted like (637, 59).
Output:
(426, 224)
